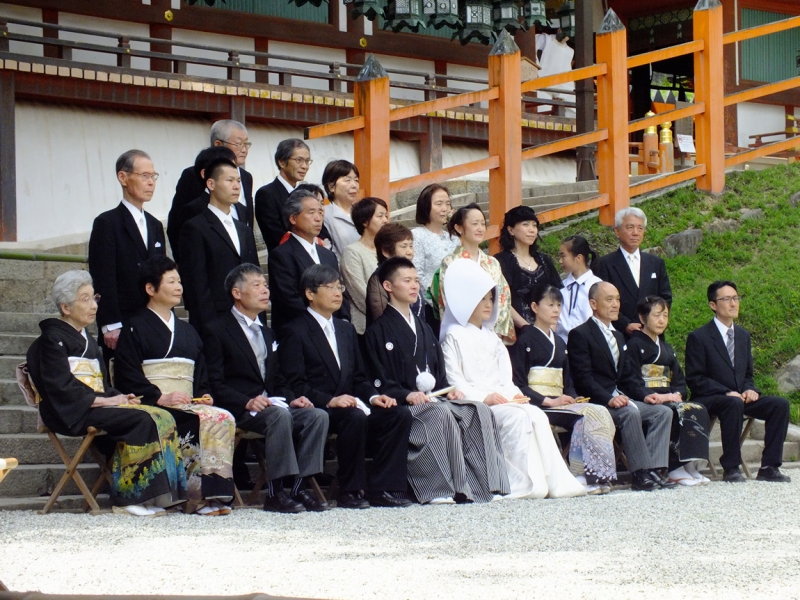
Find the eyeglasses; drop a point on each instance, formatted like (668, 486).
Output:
(145, 176)
(245, 145)
(727, 299)
(89, 299)
(334, 287)
(299, 160)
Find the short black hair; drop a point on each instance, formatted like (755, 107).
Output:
(152, 271)
(315, 276)
(578, 245)
(391, 266)
(540, 292)
(207, 156)
(238, 275)
(310, 187)
(425, 200)
(363, 211)
(286, 148)
(335, 170)
(518, 214)
(459, 216)
(213, 169)
(646, 306)
(716, 286)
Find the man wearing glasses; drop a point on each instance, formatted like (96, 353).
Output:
(719, 372)
(121, 239)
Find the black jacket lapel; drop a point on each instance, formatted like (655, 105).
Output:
(219, 229)
(624, 272)
(600, 340)
(133, 230)
(239, 336)
(320, 342)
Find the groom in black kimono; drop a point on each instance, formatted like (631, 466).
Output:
(320, 359)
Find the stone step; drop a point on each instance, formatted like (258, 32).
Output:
(752, 449)
(36, 448)
(16, 343)
(18, 419)
(22, 322)
(8, 365)
(39, 480)
(10, 394)
(64, 503)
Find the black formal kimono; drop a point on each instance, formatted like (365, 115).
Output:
(453, 446)
(653, 368)
(591, 450)
(69, 374)
(207, 432)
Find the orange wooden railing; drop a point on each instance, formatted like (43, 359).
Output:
(373, 115)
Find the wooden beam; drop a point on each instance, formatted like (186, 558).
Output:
(371, 142)
(762, 90)
(753, 32)
(423, 179)
(559, 78)
(576, 208)
(430, 147)
(665, 53)
(164, 32)
(8, 161)
(765, 150)
(423, 108)
(668, 179)
(337, 127)
(574, 141)
(670, 115)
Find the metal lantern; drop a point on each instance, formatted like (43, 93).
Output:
(566, 18)
(505, 15)
(371, 9)
(534, 11)
(476, 16)
(404, 15)
(316, 3)
(441, 13)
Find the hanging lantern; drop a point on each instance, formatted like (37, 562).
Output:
(566, 18)
(404, 15)
(441, 13)
(316, 3)
(371, 9)
(476, 16)
(505, 15)
(534, 11)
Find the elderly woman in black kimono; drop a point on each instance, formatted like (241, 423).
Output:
(69, 375)
(160, 358)
(656, 377)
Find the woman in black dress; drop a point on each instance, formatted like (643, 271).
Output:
(524, 267)
(652, 372)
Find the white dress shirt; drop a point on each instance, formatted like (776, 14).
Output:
(328, 330)
(308, 247)
(575, 310)
(252, 331)
(138, 218)
(289, 187)
(634, 261)
(242, 199)
(230, 227)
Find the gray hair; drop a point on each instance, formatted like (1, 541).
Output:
(222, 130)
(294, 203)
(631, 211)
(126, 160)
(286, 148)
(66, 286)
(238, 276)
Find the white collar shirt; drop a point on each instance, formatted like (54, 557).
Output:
(308, 247)
(634, 260)
(228, 224)
(328, 330)
(138, 218)
(289, 187)
(253, 332)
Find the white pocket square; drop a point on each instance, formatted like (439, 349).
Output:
(158, 245)
(274, 346)
(653, 276)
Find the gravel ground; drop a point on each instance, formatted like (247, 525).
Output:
(717, 541)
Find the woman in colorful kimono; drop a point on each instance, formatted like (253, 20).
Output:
(655, 375)
(541, 371)
(69, 375)
(160, 358)
(477, 363)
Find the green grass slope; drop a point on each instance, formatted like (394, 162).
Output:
(762, 257)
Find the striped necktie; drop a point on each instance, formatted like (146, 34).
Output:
(730, 345)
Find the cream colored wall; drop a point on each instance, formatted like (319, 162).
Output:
(756, 118)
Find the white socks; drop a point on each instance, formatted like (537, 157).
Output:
(138, 510)
(692, 467)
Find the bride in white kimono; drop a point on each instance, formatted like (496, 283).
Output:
(478, 364)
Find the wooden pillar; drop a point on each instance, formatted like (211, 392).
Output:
(8, 161)
(238, 112)
(371, 144)
(584, 88)
(50, 16)
(612, 114)
(162, 32)
(709, 88)
(505, 130)
(430, 147)
(262, 45)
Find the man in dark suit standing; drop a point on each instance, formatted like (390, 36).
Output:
(596, 354)
(213, 243)
(246, 381)
(293, 159)
(719, 372)
(288, 261)
(121, 239)
(321, 361)
(635, 274)
(230, 134)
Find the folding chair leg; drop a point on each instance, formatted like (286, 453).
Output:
(105, 474)
(261, 481)
(317, 490)
(71, 472)
(3, 587)
(745, 432)
(237, 497)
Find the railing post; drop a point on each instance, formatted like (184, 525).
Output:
(234, 71)
(505, 130)
(124, 58)
(612, 114)
(709, 88)
(371, 144)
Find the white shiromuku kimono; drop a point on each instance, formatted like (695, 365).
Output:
(478, 364)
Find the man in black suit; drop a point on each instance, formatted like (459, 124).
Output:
(212, 243)
(293, 159)
(288, 261)
(596, 354)
(635, 274)
(121, 239)
(230, 134)
(246, 381)
(719, 372)
(321, 361)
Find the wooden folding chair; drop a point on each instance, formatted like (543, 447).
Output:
(564, 450)
(6, 464)
(748, 424)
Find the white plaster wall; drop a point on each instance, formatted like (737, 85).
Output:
(472, 73)
(106, 26)
(407, 64)
(9, 11)
(228, 42)
(309, 52)
(759, 118)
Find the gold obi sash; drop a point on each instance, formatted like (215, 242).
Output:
(548, 381)
(170, 374)
(656, 376)
(88, 372)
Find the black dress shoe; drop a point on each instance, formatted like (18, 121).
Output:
(733, 475)
(641, 481)
(281, 503)
(244, 486)
(772, 474)
(389, 500)
(663, 482)
(311, 503)
(351, 500)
